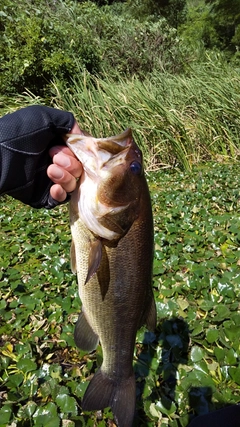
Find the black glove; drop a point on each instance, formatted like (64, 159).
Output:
(25, 139)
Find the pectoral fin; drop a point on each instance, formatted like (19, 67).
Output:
(103, 273)
(84, 336)
(94, 259)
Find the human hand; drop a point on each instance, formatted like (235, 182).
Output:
(64, 170)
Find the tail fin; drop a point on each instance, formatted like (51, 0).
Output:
(103, 392)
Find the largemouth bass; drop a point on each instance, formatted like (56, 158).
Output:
(112, 253)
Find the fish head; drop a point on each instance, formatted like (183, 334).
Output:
(110, 186)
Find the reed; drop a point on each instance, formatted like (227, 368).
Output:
(177, 120)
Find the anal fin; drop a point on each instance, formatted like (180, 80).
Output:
(84, 336)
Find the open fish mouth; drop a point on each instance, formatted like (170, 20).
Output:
(96, 153)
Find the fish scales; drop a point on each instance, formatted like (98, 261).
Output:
(116, 295)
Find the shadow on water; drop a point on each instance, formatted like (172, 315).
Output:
(170, 345)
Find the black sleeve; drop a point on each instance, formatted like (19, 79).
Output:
(25, 138)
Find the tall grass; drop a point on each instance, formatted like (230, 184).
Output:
(177, 120)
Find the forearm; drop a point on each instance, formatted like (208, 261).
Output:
(25, 139)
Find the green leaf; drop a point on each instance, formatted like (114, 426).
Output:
(165, 406)
(26, 365)
(232, 333)
(212, 335)
(27, 411)
(46, 415)
(222, 312)
(198, 329)
(5, 414)
(220, 353)
(197, 353)
(67, 404)
(3, 304)
(155, 411)
(55, 371)
(235, 374)
(14, 380)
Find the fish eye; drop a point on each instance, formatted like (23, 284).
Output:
(136, 168)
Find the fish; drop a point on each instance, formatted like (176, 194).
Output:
(112, 253)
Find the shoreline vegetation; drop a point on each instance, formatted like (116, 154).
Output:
(177, 120)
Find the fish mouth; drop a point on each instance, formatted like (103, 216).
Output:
(95, 153)
(116, 144)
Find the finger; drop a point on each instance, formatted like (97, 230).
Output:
(70, 163)
(58, 193)
(60, 148)
(60, 176)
